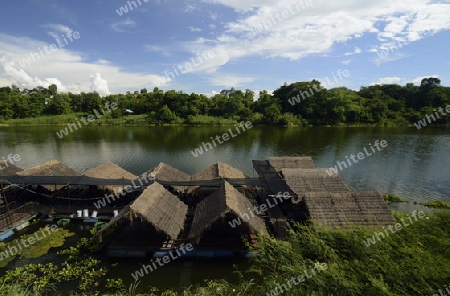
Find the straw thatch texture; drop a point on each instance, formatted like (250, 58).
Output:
(8, 168)
(50, 168)
(219, 170)
(302, 181)
(110, 170)
(224, 200)
(165, 172)
(162, 209)
(342, 209)
(279, 163)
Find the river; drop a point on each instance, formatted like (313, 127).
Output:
(415, 164)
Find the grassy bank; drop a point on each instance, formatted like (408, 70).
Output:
(412, 261)
(107, 120)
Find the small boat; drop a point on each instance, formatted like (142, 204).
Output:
(5, 234)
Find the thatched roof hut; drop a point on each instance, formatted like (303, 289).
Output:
(342, 209)
(226, 199)
(302, 181)
(219, 170)
(279, 163)
(50, 168)
(165, 172)
(110, 170)
(162, 209)
(8, 169)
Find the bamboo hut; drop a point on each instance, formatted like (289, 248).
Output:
(110, 170)
(279, 163)
(165, 172)
(50, 168)
(162, 209)
(226, 203)
(346, 208)
(8, 169)
(217, 171)
(302, 181)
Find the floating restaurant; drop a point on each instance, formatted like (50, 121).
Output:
(217, 210)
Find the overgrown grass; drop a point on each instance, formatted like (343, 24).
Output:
(390, 198)
(437, 204)
(209, 120)
(412, 261)
(45, 120)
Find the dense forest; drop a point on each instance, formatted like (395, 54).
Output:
(300, 103)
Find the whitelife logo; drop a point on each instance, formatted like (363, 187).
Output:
(360, 156)
(225, 137)
(90, 118)
(14, 250)
(49, 49)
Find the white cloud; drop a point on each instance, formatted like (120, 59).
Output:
(228, 80)
(57, 29)
(346, 62)
(213, 15)
(419, 79)
(356, 51)
(193, 29)
(99, 85)
(189, 8)
(320, 26)
(14, 49)
(123, 26)
(388, 80)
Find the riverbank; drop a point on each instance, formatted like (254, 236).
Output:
(143, 120)
(352, 267)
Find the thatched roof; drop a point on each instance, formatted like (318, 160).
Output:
(162, 209)
(165, 172)
(302, 181)
(9, 169)
(224, 200)
(110, 170)
(50, 168)
(291, 162)
(341, 209)
(219, 170)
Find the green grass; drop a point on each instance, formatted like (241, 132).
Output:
(437, 204)
(45, 120)
(209, 120)
(390, 198)
(412, 261)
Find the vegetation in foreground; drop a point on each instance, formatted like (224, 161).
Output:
(413, 261)
(300, 103)
(390, 198)
(439, 204)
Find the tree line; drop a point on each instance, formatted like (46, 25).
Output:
(299, 103)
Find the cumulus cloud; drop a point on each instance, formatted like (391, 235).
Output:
(14, 49)
(388, 80)
(10, 72)
(99, 85)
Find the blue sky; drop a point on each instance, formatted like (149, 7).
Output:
(245, 44)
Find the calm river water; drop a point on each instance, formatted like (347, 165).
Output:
(415, 164)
